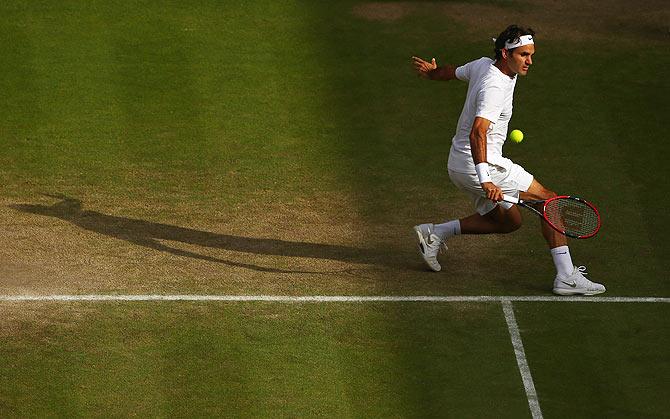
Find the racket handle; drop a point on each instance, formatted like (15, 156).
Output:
(510, 199)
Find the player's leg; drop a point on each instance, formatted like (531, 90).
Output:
(490, 218)
(433, 237)
(570, 280)
(497, 221)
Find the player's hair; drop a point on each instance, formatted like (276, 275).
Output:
(511, 34)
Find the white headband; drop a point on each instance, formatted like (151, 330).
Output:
(523, 40)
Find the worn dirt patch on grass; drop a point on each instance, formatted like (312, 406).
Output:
(53, 245)
(570, 20)
(383, 11)
(62, 246)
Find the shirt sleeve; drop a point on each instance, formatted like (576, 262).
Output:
(490, 103)
(463, 72)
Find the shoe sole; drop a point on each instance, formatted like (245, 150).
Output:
(421, 249)
(572, 291)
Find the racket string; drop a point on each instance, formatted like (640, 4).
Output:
(572, 216)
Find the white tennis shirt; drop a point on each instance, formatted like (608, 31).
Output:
(490, 94)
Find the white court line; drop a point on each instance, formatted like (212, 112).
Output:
(324, 298)
(520, 353)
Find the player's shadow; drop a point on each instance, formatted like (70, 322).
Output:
(149, 234)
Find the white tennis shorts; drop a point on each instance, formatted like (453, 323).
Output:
(511, 181)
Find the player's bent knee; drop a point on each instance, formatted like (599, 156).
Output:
(512, 221)
(503, 220)
(511, 226)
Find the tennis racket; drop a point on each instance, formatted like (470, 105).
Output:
(569, 215)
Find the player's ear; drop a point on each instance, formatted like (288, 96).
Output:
(505, 53)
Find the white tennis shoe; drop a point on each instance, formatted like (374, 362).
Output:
(429, 245)
(576, 284)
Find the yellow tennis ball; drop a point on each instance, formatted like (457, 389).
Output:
(516, 136)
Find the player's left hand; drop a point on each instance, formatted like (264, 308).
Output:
(423, 67)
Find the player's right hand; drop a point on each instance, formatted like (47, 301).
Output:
(423, 67)
(492, 192)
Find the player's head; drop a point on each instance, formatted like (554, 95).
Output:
(514, 48)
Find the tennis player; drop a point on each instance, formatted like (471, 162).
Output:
(477, 166)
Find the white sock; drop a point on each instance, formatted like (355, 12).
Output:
(447, 230)
(562, 260)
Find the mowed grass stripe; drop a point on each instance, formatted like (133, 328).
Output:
(257, 360)
(223, 98)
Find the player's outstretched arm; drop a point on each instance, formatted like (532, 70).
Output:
(430, 70)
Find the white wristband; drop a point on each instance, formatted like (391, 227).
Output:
(483, 172)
